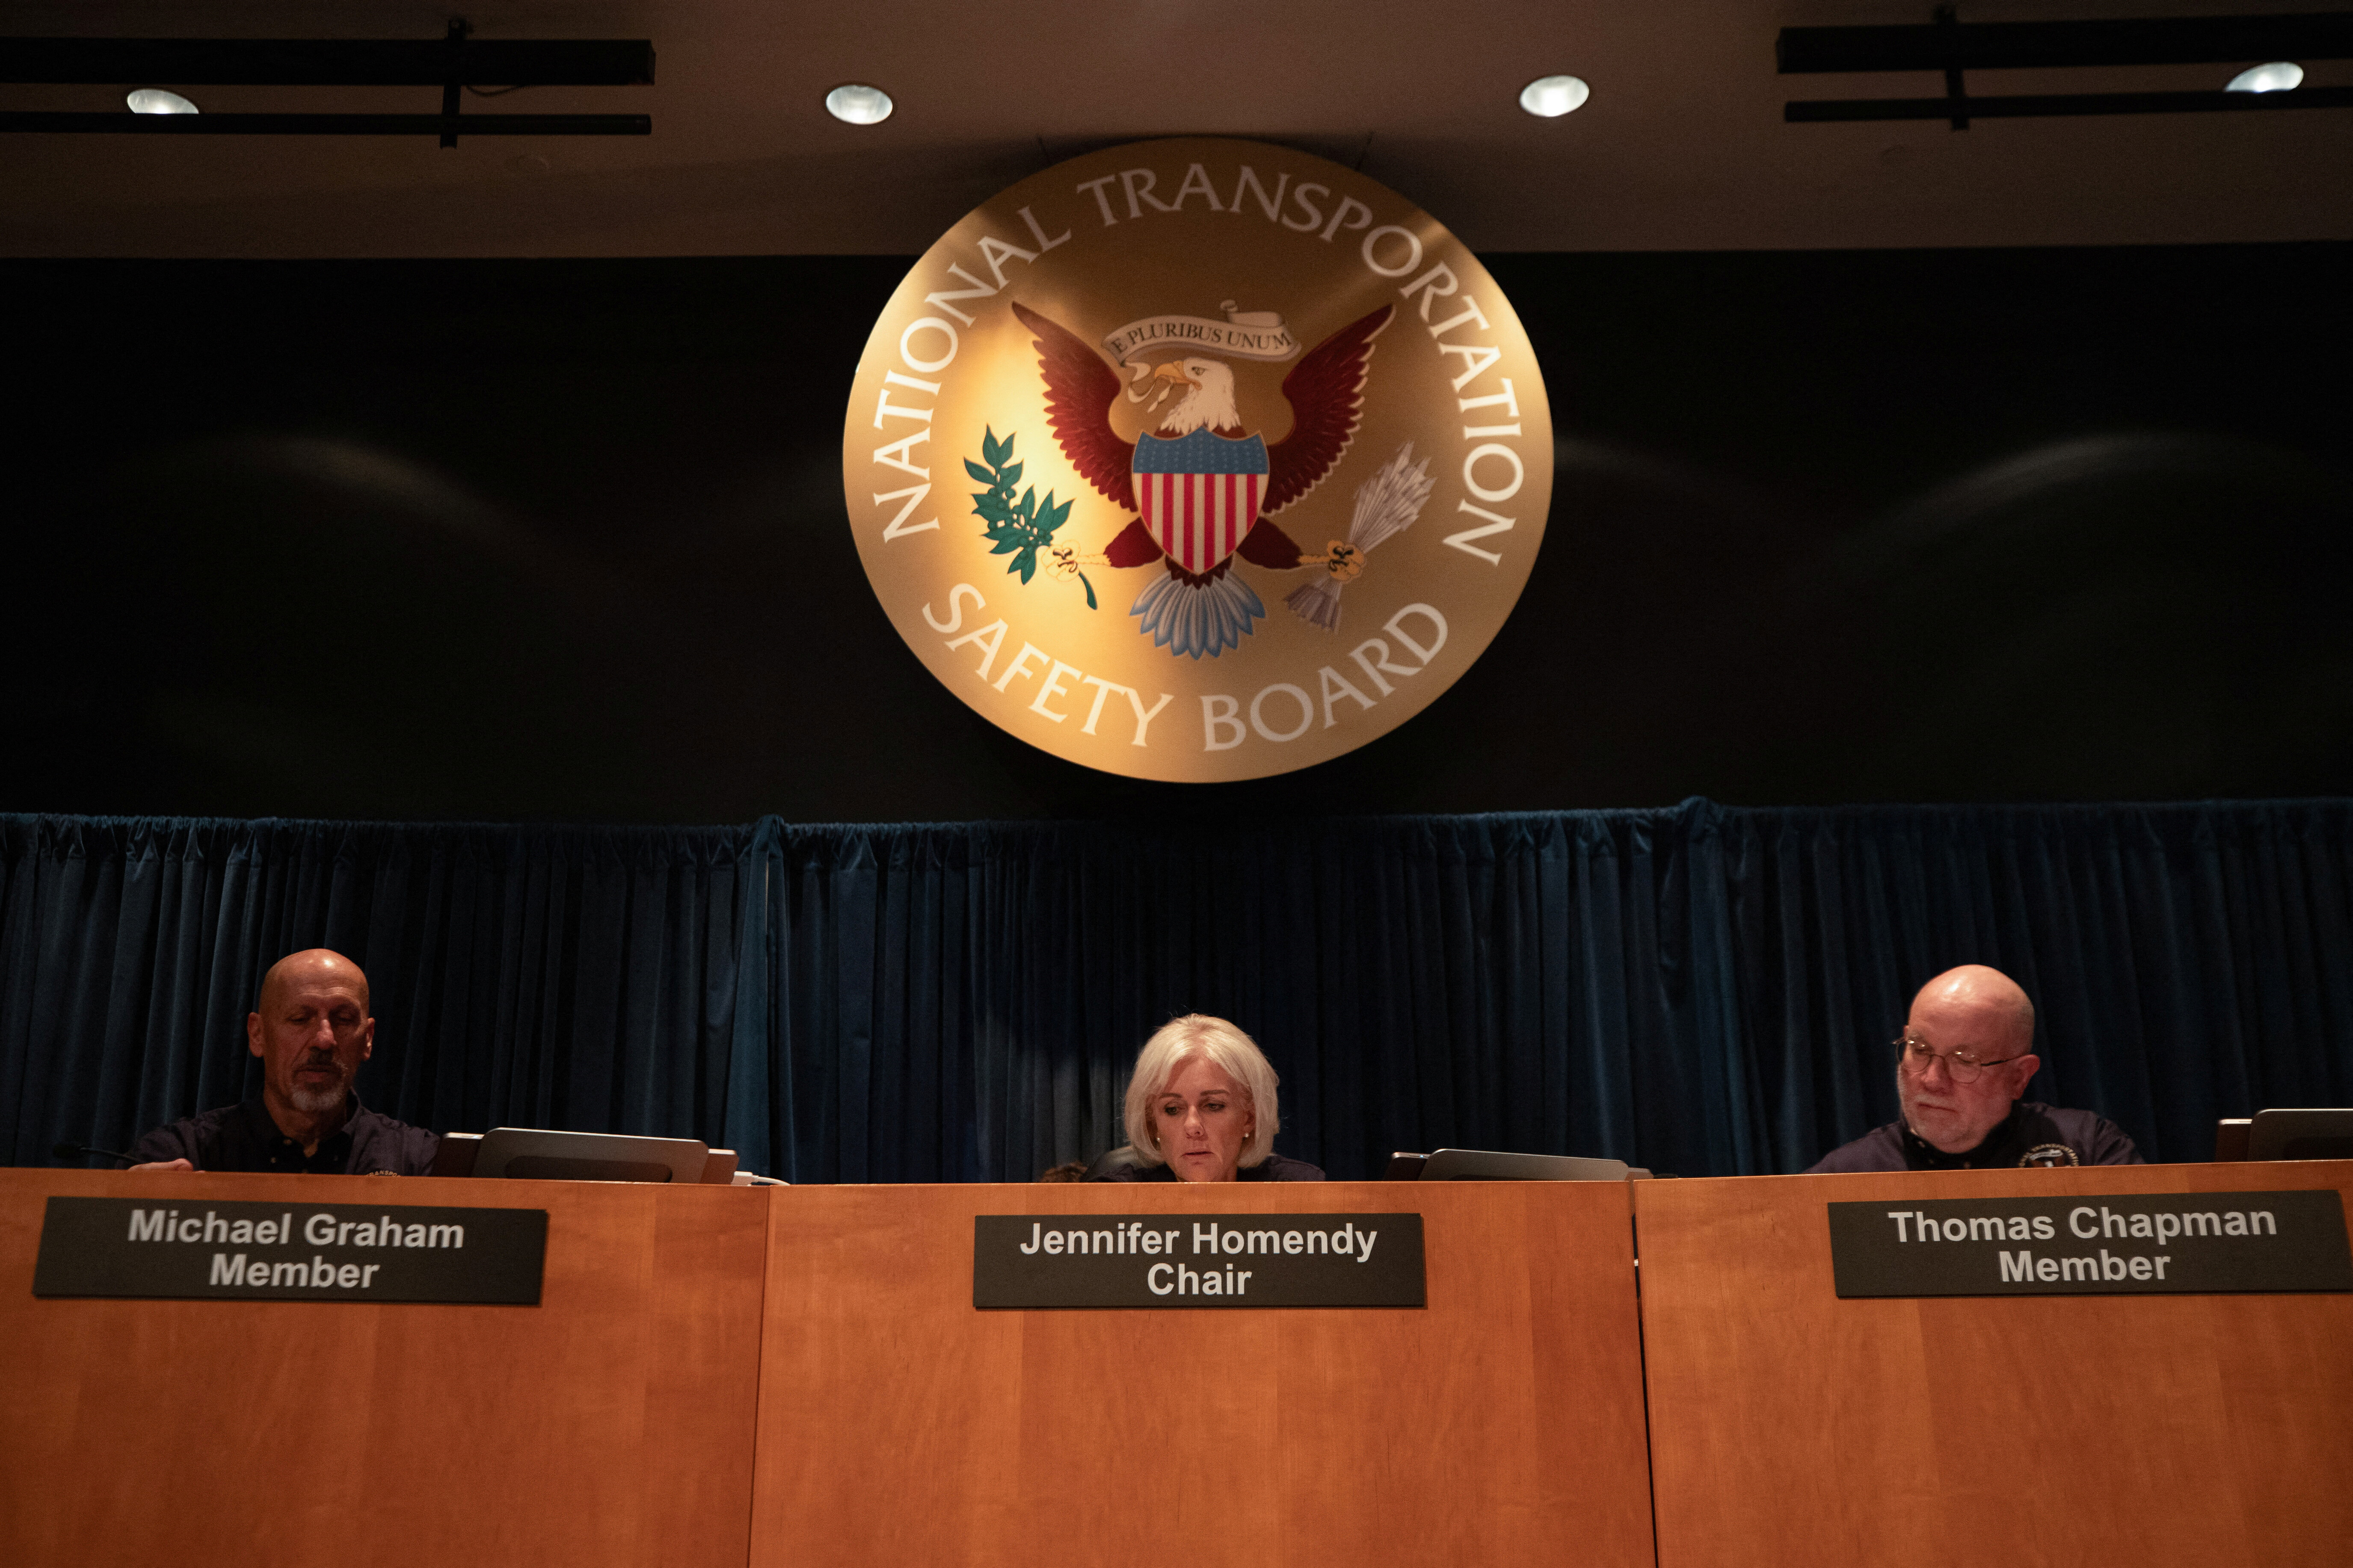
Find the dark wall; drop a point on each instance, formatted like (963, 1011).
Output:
(564, 539)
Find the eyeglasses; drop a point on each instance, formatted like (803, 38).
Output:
(1917, 1054)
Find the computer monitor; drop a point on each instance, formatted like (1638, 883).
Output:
(1494, 1165)
(2301, 1135)
(545, 1155)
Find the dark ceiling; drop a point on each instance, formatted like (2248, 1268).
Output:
(1681, 146)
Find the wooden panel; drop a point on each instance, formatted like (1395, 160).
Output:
(610, 1424)
(1788, 1426)
(1501, 1425)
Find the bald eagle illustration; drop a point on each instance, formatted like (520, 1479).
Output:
(1200, 489)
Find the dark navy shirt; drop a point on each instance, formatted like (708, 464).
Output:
(244, 1137)
(2033, 1135)
(1122, 1166)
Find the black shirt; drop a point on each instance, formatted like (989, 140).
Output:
(2033, 1135)
(1273, 1168)
(244, 1137)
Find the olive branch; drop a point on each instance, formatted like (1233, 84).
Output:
(1019, 529)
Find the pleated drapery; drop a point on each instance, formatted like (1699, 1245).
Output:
(1701, 989)
(551, 978)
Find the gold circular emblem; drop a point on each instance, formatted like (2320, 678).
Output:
(1197, 460)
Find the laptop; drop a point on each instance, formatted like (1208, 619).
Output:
(536, 1153)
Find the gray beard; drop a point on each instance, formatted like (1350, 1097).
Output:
(318, 1101)
(1904, 1114)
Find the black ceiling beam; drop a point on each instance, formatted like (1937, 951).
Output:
(2032, 46)
(447, 126)
(333, 62)
(2039, 105)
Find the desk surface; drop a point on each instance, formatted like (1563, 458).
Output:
(896, 1423)
(1502, 1423)
(610, 1424)
(1789, 1427)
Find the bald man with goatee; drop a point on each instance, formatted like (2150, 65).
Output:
(1966, 1055)
(311, 1030)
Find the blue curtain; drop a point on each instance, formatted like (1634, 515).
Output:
(1703, 989)
(529, 977)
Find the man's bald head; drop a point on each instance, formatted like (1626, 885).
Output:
(1992, 1001)
(311, 1030)
(1970, 1021)
(312, 963)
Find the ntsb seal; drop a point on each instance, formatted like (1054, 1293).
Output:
(1197, 460)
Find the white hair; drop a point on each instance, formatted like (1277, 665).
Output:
(1235, 1053)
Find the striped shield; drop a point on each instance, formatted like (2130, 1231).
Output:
(1199, 493)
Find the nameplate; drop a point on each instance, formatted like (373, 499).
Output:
(290, 1252)
(2139, 1244)
(1198, 1260)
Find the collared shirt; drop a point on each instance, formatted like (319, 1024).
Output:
(2031, 1134)
(1273, 1168)
(244, 1137)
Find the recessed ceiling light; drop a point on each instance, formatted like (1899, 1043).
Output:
(858, 104)
(155, 101)
(2277, 76)
(1550, 96)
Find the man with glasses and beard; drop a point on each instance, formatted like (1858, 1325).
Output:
(1965, 1054)
(311, 1030)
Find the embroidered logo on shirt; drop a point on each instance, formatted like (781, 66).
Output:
(2047, 1155)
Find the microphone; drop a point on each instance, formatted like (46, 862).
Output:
(76, 1150)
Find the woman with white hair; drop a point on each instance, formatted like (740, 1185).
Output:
(1201, 1107)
